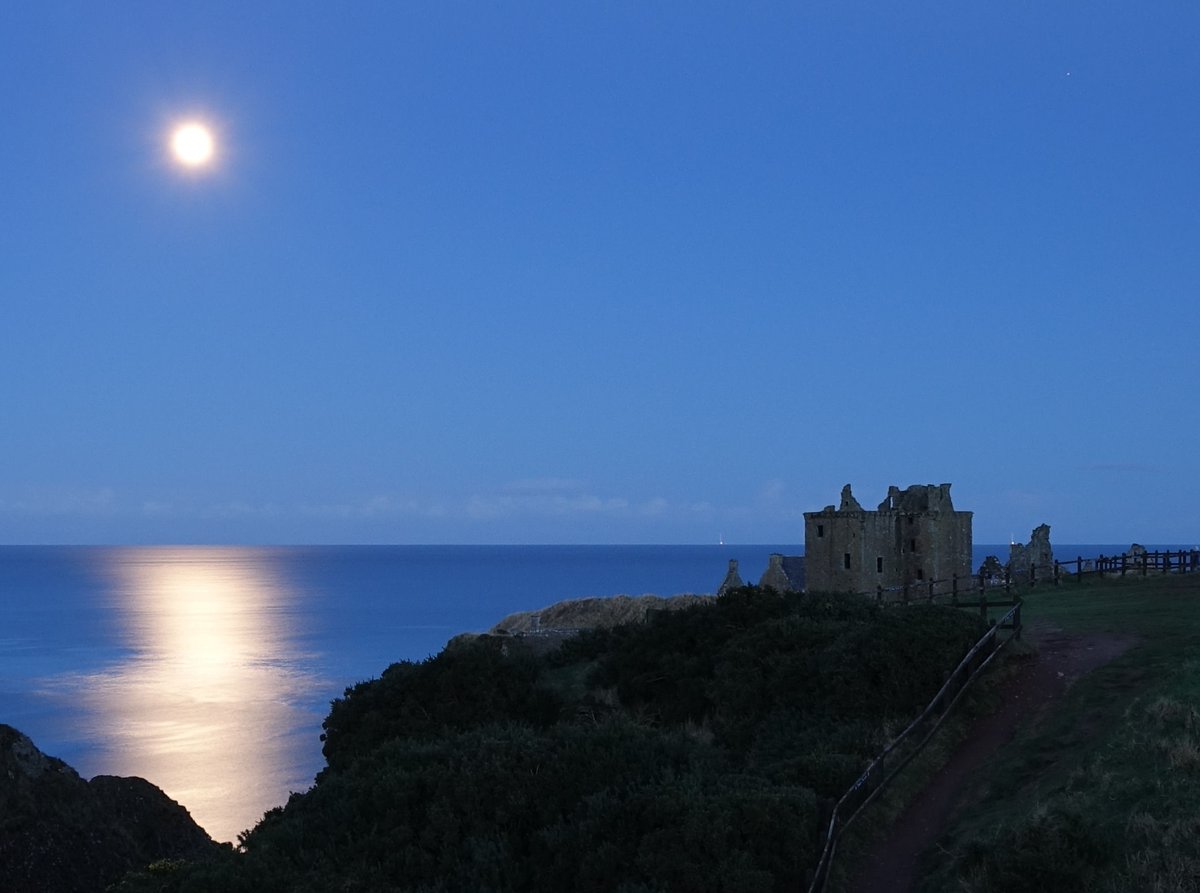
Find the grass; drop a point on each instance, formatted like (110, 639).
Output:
(1101, 795)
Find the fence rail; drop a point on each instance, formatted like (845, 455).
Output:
(1183, 561)
(967, 589)
(967, 592)
(888, 764)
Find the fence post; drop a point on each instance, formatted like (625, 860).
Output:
(1143, 564)
(1007, 582)
(1079, 566)
(1124, 562)
(1166, 562)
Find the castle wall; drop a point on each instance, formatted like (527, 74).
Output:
(915, 535)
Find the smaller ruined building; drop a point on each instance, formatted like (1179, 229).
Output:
(733, 580)
(784, 573)
(914, 535)
(1036, 557)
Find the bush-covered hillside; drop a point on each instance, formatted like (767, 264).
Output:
(690, 752)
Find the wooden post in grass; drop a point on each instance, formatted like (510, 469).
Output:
(1079, 567)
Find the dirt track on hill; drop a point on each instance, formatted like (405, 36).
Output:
(891, 865)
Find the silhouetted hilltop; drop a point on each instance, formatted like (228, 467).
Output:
(59, 832)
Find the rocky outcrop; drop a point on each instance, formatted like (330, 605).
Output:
(536, 632)
(59, 832)
(591, 613)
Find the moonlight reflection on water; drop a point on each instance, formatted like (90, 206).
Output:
(204, 703)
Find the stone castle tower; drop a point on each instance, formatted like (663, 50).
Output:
(914, 535)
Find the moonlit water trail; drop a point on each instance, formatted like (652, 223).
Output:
(210, 692)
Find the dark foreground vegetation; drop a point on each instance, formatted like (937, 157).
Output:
(691, 753)
(59, 832)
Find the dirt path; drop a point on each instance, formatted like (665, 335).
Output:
(1061, 659)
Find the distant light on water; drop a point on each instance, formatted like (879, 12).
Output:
(200, 705)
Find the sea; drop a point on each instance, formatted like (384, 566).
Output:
(208, 669)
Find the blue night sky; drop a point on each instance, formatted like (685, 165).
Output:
(596, 272)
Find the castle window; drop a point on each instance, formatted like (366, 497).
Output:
(820, 530)
(912, 545)
(879, 565)
(846, 560)
(920, 574)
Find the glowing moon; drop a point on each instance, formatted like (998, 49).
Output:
(192, 144)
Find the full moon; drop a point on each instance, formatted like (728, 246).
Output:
(192, 144)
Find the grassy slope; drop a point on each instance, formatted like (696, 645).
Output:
(1102, 794)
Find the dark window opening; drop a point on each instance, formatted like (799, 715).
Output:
(920, 574)
(912, 545)
(820, 530)
(846, 560)
(879, 565)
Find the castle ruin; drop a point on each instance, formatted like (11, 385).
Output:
(914, 535)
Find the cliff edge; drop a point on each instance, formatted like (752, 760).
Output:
(59, 832)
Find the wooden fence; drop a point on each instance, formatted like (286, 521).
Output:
(890, 761)
(971, 592)
(961, 591)
(1184, 561)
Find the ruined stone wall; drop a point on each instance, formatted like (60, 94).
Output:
(829, 537)
(915, 535)
(1037, 555)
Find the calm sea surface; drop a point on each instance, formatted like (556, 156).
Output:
(208, 670)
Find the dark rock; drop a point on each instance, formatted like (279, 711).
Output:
(61, 833)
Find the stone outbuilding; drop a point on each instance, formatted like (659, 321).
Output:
(914, 535)
(733, 580)
(784, 573)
